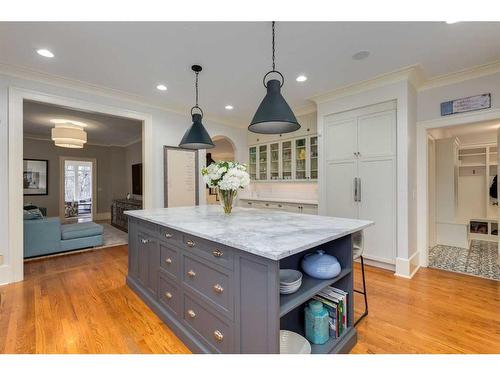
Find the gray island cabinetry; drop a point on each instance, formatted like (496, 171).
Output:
(214, 278)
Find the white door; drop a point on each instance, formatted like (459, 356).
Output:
(340, 189)
(378, 203)
(340, 139)
(377, 134)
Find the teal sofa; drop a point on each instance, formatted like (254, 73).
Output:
(47, 236)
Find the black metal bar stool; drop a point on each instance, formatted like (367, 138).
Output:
(357, 250)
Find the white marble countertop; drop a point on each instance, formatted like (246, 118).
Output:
(280, 200)
(267, 233)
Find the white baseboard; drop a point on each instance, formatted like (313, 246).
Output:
(408, 267)
(378, 264)
(102, 216)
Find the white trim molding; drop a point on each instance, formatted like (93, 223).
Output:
(12, 270)
(461, 76)
(407, 268)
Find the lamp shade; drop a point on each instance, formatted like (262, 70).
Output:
(274, 115)
(69, 136)
(196, 137)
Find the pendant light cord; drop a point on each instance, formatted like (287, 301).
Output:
(274, 64)
(196, 86)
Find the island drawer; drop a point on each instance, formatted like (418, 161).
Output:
(215, 252)
(214, 330)
(151, 228)
(169, 294)
(169, 259)
(170, 235)
(213, 284)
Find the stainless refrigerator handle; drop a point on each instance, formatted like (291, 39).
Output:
(359, 189)
(355, 189)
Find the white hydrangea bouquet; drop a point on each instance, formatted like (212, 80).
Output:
(227, 177)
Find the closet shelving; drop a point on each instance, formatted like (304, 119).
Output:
(479, 163)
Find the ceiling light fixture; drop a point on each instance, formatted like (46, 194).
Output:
(361, 55)
(196, 137)
(69, 135)
(161, 87)
(229, 107)
(274, 115)
(45, 52)
(451, 22)
(301, 78)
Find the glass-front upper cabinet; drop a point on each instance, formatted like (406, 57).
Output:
(263, 162)
(286, 160)
(252, 162)
(313, 156)
(300, 158)
(274, 148)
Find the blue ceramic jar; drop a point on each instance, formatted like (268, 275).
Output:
(316, 323)
(320, 265)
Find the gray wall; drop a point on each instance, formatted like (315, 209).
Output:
(111, 179)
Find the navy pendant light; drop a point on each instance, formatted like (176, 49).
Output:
(196, 137)
(274, 115)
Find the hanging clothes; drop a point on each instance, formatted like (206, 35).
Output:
(494, 189)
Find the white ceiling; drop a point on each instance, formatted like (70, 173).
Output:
(135, 57)
(101, 129)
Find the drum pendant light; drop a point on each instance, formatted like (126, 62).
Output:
(274, 115)
(196, 137)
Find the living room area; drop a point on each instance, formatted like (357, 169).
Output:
(81, 170)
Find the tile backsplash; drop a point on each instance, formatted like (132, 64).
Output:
(281, 190)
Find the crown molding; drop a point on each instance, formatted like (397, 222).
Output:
(412, 74)
(461, 75)
(98, 90)
(37, 137)
(305, 109)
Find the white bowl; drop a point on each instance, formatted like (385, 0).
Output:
(293, 343)
(290, 277)
(289, 289)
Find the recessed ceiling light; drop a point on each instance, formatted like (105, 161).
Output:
(301, 78)
(44, 52)
(361, 55)
(451, 22)
(229, 107)
(161, 87)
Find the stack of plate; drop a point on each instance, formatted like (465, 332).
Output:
(290, 281)
(293, 343)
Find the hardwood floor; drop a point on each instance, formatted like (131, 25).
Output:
(80, 304)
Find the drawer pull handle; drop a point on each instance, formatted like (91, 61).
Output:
(144, 241)
(168, 235)
(217, 253)
(191, 273)
(191, 313)
(168, 261)
(218, 288)
(190, 243)
(218, 335)
(168, 295)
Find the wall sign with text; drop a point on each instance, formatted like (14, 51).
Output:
(471, 103)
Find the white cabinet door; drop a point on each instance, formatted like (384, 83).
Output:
(378, 203)
(377, 134)
(340, 139)
(340, 189)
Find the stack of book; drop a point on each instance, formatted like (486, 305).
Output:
(335, 301)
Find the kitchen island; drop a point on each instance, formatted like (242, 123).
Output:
(214, 278)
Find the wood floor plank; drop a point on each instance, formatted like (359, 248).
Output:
(79, 303)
